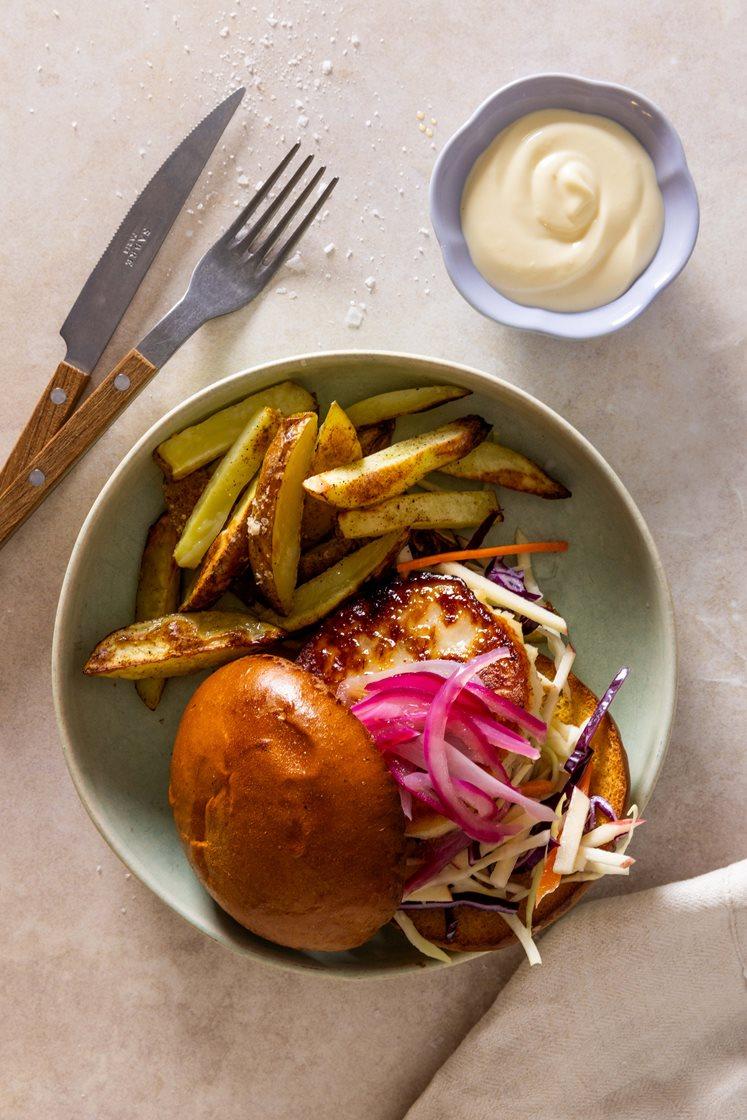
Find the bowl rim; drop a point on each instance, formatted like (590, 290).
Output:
(62, 624)
(576, 325)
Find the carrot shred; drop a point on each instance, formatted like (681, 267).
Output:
(482, 554)
(549, 879)
(585, 783)
(538, 788)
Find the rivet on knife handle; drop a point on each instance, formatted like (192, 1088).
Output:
(56, 403)
(82, 429)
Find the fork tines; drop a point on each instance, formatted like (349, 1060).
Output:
(247, 242)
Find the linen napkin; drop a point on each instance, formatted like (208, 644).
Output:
(638, 1012)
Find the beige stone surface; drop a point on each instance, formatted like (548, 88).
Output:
(113, 1007)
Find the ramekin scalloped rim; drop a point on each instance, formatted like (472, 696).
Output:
(566, 91)
(118, 753)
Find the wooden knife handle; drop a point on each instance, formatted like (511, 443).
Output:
(53, 408)
(40, 476)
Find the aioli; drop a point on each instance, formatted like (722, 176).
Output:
(562, 211)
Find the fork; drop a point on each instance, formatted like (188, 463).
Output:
(230, 275)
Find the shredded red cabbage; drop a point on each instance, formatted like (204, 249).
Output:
(513, 579)
(532, 858)
(598, 803)
(466, 898)
(583, 752)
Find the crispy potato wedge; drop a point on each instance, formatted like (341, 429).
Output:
(201, 443)
(375, 437)
(403, 402)
(315, 599)
(447, 510)
(336, 445)
(275, 523)
(323, 556)
(231, 476)
(390, 472)
(225, 560)
(503, 467)
(157, 592)
(182, 496)
(178, 644)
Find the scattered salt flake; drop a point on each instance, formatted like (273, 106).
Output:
(224, 32)
(296, 263)
(348, 254)
(354, 317)
(424, 232)
(281, 291)
(292, 295)
(98, 868)
(243, 180)
(302, 121)
(74, 125)
(377, 214)
(326, 66)
(272, 19)
(328, 249)
(370, 282)
(355, 40)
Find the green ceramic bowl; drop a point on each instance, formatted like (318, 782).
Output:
(610, 585)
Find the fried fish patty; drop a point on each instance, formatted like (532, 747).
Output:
(422, 618)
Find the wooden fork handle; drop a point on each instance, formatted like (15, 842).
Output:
(42, 473)
(53, 408)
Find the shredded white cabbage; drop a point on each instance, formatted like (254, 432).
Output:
(573, 830)
(493, 593)
(524, 936)
(562, 672)
(426, 947)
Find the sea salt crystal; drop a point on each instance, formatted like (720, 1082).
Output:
(296, 263)
(302, 121)
(370, 283)
(243, 180)
(354, 317)
(355, 40)
(326, 66)
(224, 32)
(328, 249)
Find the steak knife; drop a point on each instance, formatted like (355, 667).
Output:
(109, 289)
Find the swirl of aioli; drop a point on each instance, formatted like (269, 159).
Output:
(562, 211)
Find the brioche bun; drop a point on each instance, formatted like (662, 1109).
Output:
(481, 929)
(285, 807)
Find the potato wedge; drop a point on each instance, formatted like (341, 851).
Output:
(323, 556)
(201, 443)
(225, 560)
(182, 496)
(336, 445)
(447, 510)
(402, 402)
(375, 437)
(157, 591)
(231, 476)
(390, 472)
(178, 644)
(315, 599)
(275, 523)
(490, 462)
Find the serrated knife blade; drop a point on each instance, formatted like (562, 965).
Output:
(109, 289)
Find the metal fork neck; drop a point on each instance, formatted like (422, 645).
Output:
(172, 331)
